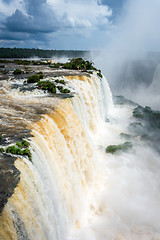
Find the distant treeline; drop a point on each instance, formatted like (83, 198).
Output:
(28, 53)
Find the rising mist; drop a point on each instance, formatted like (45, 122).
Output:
(131, 56)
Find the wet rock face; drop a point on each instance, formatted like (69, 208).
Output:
(9, 178)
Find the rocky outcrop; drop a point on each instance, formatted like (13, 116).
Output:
(9, 178)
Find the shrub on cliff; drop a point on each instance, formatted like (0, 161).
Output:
(1, 150)
(114, 148)
(63, 90)
(27, 153)
(14, 150)
(17, 71)
(40, 74)
(21, 149)
(148, 116)
(23, 144)
(126, 135)
(56, 65)
(47, 85)
(33, 79)
(138, 112)
(60, 81)
(79, 64)
(19, 144)
(60, 88)
(100, 74)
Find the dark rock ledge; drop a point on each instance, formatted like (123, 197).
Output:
(9, 178)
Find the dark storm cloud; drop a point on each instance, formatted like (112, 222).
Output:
(19, 22)
(20, 36)
(39, 18)
(6, 35)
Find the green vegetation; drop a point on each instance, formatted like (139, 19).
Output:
(21, 148)
(100, 74)
(121, 147)
(74, 63)
(17, 71)
(34, 78)
(121, 101)
(5, 71)
(19, 144)
(51, 87)
(47, 85)
(0, 136)
(40, 74)
(60, 88)
(27, 152)
(14, 150)
(18, 151)
(22, 62)
(150, 117)
(23, 144)
(25, 62)
(63, 90)
(79, 64)
(27, 53)
(148, 127)
(26, 70)
(127, 136)
(60, 81)
(56, 65)
(138, 112)
(5, 61)
(1, 150)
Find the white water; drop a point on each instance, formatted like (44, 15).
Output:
(73, 189)
(129, 205)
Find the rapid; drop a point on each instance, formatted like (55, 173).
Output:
(73, 189)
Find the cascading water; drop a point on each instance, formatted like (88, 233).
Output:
(73, 189)
(54, 195)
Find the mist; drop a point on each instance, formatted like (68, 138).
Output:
(131, 63)
(132, 53)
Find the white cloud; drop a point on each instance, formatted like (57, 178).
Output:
(81, 13)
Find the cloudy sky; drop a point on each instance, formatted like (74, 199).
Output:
(80, 24)
(58, 24)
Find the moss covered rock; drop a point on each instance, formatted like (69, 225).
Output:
(121, 147)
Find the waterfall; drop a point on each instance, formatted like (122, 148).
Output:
(56, 195)
(72, 189)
